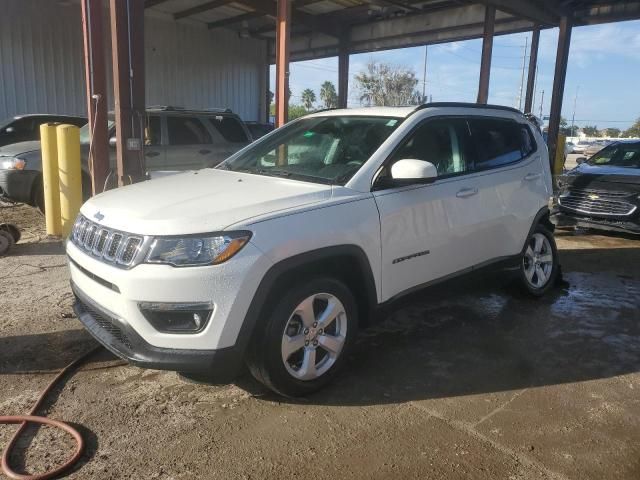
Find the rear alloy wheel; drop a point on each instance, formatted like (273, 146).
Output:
(306, 338)
(539, 267)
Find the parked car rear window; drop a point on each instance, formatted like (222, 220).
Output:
(499, 142)
(187, 131)
(229, 128)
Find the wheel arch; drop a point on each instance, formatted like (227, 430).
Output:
(348, 263)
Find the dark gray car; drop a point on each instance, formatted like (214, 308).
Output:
(175, 140)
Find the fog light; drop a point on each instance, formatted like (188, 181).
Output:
(177, 317)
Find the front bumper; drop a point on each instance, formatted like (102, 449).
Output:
(117, 336)
(565, 219)
(17, 185)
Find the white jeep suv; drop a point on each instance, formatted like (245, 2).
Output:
(277, 256)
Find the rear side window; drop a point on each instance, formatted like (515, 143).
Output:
(499, 142)
(152, 133)
(187, 131)
(229, 128)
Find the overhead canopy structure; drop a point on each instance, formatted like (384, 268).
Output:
(310, 29)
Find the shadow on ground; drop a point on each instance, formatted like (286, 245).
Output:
(463, 337)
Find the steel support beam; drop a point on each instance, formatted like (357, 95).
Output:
(533, 65)
(487, 51)
(127, 46)
(283, 33)
(529, 9)
(96, 89)
(560, 75)
(343, 75)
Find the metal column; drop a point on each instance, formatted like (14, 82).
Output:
(96, 88)
(562, 58)
(343, 75)
(283, 31)
(487, 50)
(533, 65)
(127, 45)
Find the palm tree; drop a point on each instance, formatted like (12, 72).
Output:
(308, 98)
(328, 95)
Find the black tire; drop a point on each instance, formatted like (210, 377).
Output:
(264, 354)
(534, 286)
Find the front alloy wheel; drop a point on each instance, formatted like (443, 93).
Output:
(307, 335)
(314, 336)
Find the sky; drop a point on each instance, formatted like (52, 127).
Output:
(603, 70)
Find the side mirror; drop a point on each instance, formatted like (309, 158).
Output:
(112, 142)
(408, 171)
(580, 160)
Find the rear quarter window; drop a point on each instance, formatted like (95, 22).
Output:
(229, 128)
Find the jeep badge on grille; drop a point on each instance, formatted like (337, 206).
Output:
(98, 216)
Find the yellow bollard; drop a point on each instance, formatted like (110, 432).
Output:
(70, 174)
(558, 165)
(50, 182)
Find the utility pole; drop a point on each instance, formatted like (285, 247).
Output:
(573, 117)
(424, 77)
(524, 64)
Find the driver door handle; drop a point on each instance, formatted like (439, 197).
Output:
(152, 154)
(532, 176)
(204, 151)
(467, 192)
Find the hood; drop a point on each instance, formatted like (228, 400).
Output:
(197, 202)
(585, 173)
(20, 148)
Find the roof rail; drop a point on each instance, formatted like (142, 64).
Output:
(170, 108)
(466, 105)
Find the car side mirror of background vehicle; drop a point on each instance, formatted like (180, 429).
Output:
(580, 160)
(409, 171)
(112, 142)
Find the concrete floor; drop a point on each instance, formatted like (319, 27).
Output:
(466, 380)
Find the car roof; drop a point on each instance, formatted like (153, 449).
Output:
(30, 115)
(405, 111)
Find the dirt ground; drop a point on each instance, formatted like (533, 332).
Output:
(465, 380)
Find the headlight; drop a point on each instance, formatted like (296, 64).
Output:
(197, 250)
(13, 164)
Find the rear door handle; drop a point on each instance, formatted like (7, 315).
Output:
(152, 154)
(532, 176)
(467, 192)
(204, 151)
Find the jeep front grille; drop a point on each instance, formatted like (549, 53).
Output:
(109, 245)
(597, 202)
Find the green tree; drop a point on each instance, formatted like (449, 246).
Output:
(383, 84)
(634, 131)
(590, 131)
(308, 98)
(328, 95)
(612, 132)
(566, 129)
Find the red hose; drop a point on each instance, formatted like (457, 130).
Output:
(24, 420)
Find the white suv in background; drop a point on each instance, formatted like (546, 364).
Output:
(277, 256)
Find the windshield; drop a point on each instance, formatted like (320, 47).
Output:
(85, 136)
(618, 155)
(319, 149)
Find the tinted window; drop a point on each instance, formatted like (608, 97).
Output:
(24, 125)
(229, 128)
(187, 131)
(441, 142)
(153, 131)
(500, 142)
